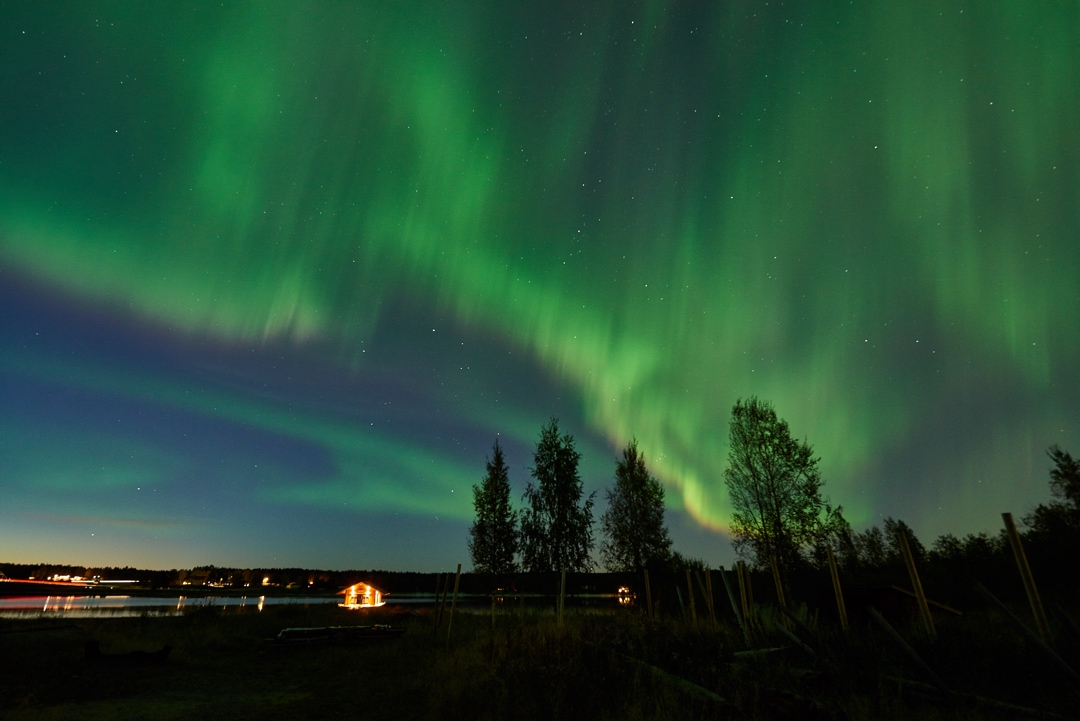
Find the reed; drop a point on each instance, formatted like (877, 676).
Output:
(526, 665)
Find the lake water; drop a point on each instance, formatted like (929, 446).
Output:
(117, 606)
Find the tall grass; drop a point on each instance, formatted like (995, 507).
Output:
(519, 664)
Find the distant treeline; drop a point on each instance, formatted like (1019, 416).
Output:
(1050, 540)
(301, 580)
(275, 579)
(949, 567)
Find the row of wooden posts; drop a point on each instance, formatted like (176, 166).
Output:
(442, 591)
(1037, 610)
(743, 608)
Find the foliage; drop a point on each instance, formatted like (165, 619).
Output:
(1064, 477)
(775, 489)
(893, 528)
(635, 536)
(1062, 514)
(1054, 527)
(871, 548)
(839, 539)
(679, 562)
(522, 664)
(493, 536)
(974, 555)
(556, 525)
(877, 549)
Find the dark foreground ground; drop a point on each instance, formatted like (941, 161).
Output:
(595, 666)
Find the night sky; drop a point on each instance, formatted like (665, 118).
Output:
(275, 275)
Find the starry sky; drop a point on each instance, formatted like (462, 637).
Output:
(275, 275)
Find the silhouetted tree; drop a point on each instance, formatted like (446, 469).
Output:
(1053, 535)
(839, 538)
(1062, 514)
(947, 549)
(556, 525)
(775, 488)
(975, 556)
(874, 549)
(894, 526)
(635, 536)
(493, 536)
(847, 552)
(1064, 477)
(679, 562)
(871, 548)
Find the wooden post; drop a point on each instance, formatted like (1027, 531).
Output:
(742, 574)
(712, 602)
(439, 592)
(690, 590)
(1070, 626)
(929, 672)
(1041, 622)
(835, 575)
(706, 592)
(735, 607)
(920, 596)
(795, 639)
(799, 624)
(1029, 634)
(648, 594)
(753, 617)
(562, 596)
(776, 580)
(440, 599)
(453, 604)
(750, 590)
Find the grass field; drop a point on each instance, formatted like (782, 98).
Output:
(595, 666)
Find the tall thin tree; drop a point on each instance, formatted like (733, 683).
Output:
(635, 536)
(556, 525)
(493, 536)
(775, 488)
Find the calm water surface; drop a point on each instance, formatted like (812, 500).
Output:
(116, 606)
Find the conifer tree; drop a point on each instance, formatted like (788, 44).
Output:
(493, 536)
(635, 537)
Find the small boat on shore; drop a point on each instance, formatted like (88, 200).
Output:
(335, 635)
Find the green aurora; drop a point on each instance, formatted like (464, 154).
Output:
(625, 214)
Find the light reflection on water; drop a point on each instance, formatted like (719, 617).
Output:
(118, 606)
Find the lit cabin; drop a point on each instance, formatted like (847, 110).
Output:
(361, 595)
